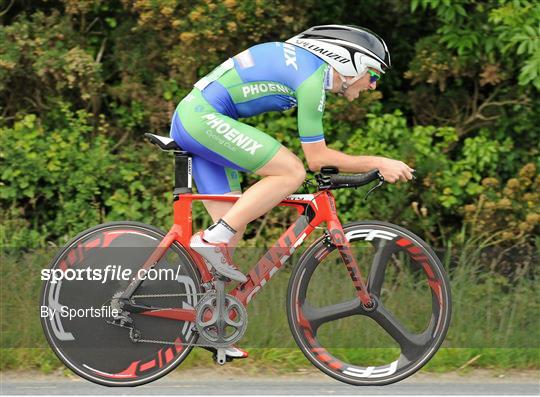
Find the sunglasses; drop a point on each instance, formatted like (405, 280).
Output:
(373, 76)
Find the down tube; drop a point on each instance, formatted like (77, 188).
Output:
(273, 259)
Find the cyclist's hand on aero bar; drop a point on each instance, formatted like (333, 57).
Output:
(395, 170)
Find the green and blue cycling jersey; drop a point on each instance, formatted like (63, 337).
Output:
(264, 78)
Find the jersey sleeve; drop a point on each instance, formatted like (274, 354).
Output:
(311, 98)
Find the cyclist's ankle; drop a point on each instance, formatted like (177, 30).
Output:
(219, 232)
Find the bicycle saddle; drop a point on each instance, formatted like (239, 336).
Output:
(164, 143)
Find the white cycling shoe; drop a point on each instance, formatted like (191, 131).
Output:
(217, 256)
(231, 353)
(235, 352)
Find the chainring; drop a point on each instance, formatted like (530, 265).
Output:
(220, 328)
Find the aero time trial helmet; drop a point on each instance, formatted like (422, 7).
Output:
(350, 50)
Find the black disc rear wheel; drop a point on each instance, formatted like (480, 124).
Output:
(79, 311)
(370, 346)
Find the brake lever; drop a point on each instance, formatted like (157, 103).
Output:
(323, 181)
(308, 183)
(378, 185)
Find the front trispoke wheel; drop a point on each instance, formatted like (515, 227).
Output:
(318, 316)
(389, 342)
(384, 252)
(412, 345)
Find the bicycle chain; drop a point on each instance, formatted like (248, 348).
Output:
(206, 286)
(167, 295)
(163, 342)
(160, 342)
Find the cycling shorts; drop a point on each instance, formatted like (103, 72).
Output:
(221, 146)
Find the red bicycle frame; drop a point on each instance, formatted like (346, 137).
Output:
(314, 209)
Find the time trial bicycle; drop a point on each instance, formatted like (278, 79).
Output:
(127, 331)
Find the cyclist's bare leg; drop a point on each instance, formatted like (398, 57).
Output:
(218, 209)
(282, 176)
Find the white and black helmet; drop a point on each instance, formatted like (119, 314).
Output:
(348, 49)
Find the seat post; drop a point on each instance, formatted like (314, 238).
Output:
(182, 174)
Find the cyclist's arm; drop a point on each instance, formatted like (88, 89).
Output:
(318, 155)
(311, 97)
(311, 100)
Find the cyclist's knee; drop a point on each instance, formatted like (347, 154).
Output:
(293, 176)
(297, 172)
(282, 164)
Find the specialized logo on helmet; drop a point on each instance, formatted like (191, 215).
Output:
(231, 134)
(322, 51)
(290, 55)
(348, 49)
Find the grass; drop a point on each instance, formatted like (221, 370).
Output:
(284, 360)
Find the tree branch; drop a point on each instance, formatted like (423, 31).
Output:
(477, 117)
(101, 51)
(91, 24)
(120, 141)
(7, 8)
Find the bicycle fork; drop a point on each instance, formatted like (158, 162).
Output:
(326, 205)
(338, 238)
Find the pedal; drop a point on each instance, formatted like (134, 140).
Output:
(220, 356)
(220, 277)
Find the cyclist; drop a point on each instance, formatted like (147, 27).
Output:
(267, 77)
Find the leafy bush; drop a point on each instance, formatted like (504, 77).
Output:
(57, 181)
(81, 81)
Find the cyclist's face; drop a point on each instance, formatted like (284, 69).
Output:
(359, 86)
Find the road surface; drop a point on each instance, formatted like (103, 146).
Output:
(222, 381)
